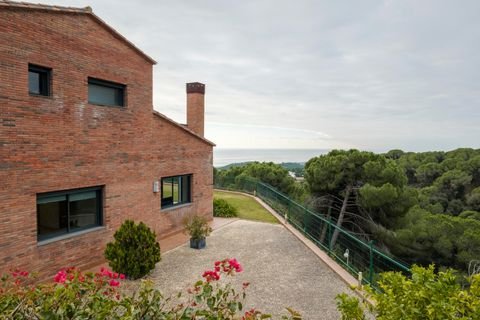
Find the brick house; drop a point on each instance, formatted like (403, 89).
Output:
(81, 148)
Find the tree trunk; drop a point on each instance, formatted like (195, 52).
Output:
(325, 226)
(348, 190)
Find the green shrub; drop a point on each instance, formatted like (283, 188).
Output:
(349, 307)
(135, 250)
(222, 208)
(424, 295)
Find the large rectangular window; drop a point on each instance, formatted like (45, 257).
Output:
(176, 190)
(38, 80)
(106, 93)
(64, 212)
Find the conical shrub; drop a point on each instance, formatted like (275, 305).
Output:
(134, 251)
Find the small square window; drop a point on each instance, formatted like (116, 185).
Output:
(106, 93)
(39, 80)
(176, 190)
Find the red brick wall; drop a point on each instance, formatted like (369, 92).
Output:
(62, 142)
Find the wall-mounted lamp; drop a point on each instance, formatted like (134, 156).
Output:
(156, 186)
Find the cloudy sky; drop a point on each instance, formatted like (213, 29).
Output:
(373, 75)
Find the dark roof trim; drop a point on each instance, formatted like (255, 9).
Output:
(178, 125)
(87, 10)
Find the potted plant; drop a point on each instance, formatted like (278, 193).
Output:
(198, 229)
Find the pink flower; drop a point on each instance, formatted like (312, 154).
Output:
(60, 277)
(235, 264)
(227, 266)
(114, 283)
(105, 272)
(211, 275)
(122, 276)
(18, 273)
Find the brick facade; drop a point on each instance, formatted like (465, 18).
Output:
(62, 142)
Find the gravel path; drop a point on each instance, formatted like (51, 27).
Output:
(283, 272)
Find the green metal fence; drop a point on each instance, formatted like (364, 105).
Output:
(354, 254)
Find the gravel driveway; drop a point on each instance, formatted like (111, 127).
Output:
(282, 271)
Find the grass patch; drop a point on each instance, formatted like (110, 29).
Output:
(248, 208)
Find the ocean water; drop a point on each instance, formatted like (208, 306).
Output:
(224, 156)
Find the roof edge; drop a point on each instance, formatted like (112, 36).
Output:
(40, 6)
(178, 125)
(121, 37)
(86, 10)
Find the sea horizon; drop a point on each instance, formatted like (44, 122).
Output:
(226, 156)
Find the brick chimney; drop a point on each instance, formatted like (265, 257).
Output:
(196, 107)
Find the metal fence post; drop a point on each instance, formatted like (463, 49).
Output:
(305, 212)
(329, 235)
(288, 211)
(371, 270)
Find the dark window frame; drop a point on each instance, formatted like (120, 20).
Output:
(166, 203)
(45, 80)
(68, 194)
(110, 85)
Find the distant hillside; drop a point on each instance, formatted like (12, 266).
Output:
(295, 167)
(232, 165)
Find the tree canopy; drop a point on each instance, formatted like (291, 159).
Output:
(363, 189)
(443, 227)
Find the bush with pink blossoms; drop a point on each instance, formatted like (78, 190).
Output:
(77, 295)
(71, 295)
